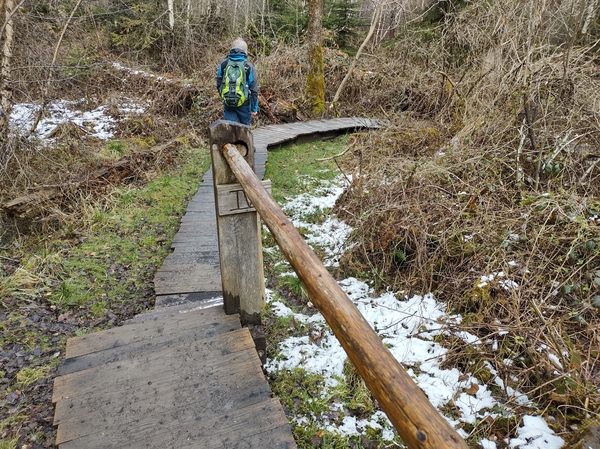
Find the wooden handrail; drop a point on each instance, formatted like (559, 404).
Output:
(419, 424)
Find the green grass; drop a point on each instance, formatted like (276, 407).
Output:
(10, 443)
(131, 238)
(28, 376)
(294, 169)
(110, 255)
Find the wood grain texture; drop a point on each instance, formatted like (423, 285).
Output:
(166, 359)
(209, 389)
(186, 429)
(203, 321)
(156, 341)
(240, 244)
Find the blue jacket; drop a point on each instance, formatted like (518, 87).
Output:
(239, 55)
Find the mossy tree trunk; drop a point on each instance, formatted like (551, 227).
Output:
(6, 38)
(315, 80)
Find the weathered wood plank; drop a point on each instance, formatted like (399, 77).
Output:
(195, 246)
(171, 357)
(209, 390)
(270, 437)
(187, 431)
(198, 257)
(86, 406)
(191, 287)
(200, 275)
(192, 301)
(199, 301)
(203, 320)
(205, 266)
(155, 342)
(278, 438)
(213, 286)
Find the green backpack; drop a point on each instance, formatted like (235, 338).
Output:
(234, 87)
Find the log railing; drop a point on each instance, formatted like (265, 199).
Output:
(417, 421)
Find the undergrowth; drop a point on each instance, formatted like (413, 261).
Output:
(520, 265)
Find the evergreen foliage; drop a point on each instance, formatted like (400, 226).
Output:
(142, 26)
(287, 21)
(342, 19)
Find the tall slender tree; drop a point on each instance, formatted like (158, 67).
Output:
(7, 11)
(315, 80)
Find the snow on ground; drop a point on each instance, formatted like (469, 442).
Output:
(98, 122)
(407, 326)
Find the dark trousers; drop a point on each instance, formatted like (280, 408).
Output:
(241, 114)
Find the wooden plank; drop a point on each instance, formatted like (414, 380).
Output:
(200, 216)
(204, 265)
(196, 272)
(187, 278)
(194, 233)
(192, 237)
(214, 390)
(139, 390)
(203, 245)
(193, 301)
(119, 336)
(202, 228)
(156, 341)
(186, 429)
(192, 216)
(214, 287)
(192, 257)
(182, 285)
(169, 358)
(196, 242)
(277, 438)
(204, 206)
(210, 300)
(270, 437)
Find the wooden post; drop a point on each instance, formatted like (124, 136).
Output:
(238, 227)
(417, 421)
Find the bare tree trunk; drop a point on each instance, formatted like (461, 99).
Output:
(374, 22)
(7, 10)
(171, 14)
(315, 80)
(188, 14)
(591, 9)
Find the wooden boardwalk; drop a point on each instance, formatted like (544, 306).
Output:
(184, 375)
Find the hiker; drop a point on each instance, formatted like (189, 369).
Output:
(238, 85)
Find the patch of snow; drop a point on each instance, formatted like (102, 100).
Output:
(535, 434)
(97, 123)
(487, 444)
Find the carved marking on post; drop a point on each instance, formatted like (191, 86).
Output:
(238, 227)
(231, 199)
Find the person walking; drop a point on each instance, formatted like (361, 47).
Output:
(237, 84)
